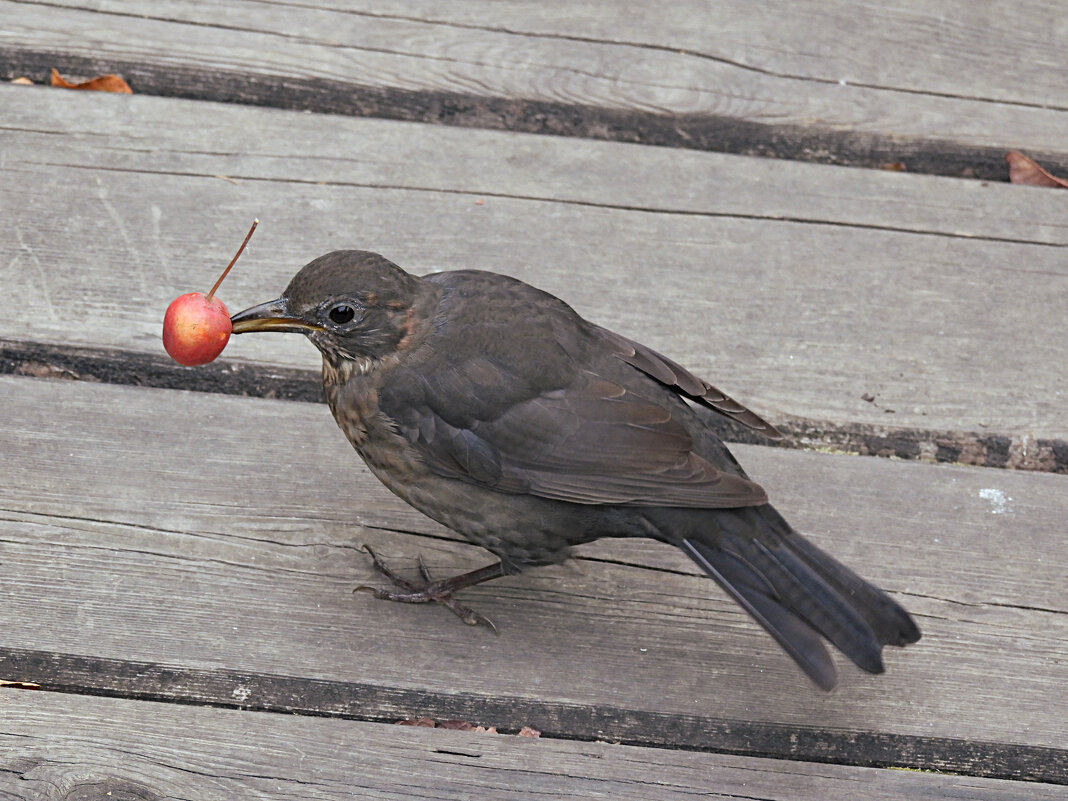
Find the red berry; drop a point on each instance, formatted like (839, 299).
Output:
(196, 328)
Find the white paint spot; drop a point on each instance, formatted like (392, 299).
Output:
(241, 694)
(999, 501)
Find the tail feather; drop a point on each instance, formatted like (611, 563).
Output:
(892, 624)
(795, 636)
(823, 607)
(799, 594)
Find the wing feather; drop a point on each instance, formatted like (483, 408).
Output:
(686, 383)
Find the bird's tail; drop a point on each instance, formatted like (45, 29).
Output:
(799, 594)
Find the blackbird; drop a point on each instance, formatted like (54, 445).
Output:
(495, 409)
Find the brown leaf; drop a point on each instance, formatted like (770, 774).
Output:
(101, 83)
(456, 725)
(462, 725)
(20, 685)
(1025, 170)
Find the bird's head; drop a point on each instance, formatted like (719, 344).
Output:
(351, 304)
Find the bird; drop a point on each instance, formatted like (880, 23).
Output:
(495, 409)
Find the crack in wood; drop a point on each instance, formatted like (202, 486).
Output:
(988, 604)
(465, 754)
(88, 675)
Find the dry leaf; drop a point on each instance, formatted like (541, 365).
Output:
(456, 725)
(463, 725)
(101, 83)
(894, 166)
(1025, 170)
(22, 81)
(20, 685)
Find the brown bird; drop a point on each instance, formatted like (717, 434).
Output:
(495, 409)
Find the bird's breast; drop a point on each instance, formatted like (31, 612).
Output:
(352, 396)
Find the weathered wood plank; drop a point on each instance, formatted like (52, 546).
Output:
(212, 533)
(793, 317)
(699, 76)
(65, 746)
(46, 126)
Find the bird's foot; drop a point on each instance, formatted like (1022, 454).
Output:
(430, 591)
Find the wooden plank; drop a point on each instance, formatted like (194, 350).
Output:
(725, 82)
(208, 533)
(66, 746)
(920, 322)
(266, 144)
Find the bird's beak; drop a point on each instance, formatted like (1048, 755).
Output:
(271, 316)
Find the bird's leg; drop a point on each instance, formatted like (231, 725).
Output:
(437, 591)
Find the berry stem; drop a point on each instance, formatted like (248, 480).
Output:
(233, 261)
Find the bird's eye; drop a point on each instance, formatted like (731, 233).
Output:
(342, 313)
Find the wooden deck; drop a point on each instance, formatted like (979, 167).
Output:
(178, 546)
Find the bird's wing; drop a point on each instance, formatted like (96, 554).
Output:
(593, 441)
(681, 380)
(514, 391)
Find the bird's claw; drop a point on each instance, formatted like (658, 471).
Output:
(430, 591)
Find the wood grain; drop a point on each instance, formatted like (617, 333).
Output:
(66, 747)
(891, 45)
(209, 533)
(901, 75)
(802, 316)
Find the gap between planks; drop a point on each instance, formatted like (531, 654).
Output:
(145, 681)
(80, 747)
(714, 133)
(1014, 451)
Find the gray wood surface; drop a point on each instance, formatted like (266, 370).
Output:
(67, 746)
(211, 532)
(113, 209)
(976, 74)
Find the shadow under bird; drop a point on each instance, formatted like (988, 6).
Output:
(495, 409)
